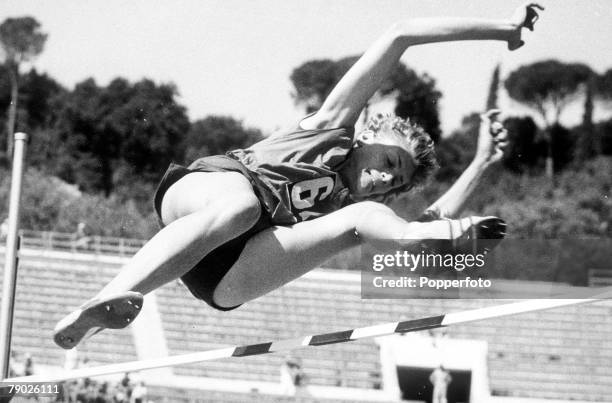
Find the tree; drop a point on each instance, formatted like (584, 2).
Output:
(456, 151)
(108, 137)
(563, 146)
(523, 150)
(589, 141)
(312, 82)
(548, 87)
(592, 140)
(21, 41)
(36, 93)
(604, 85)
(150, 124)
(604, 130)
(35, 111)
(215, 135)
(493, 90)
(416, 95)
(416, 99)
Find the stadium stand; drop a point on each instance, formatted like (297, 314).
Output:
(562, 354)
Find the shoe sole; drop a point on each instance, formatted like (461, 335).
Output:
(482, 237)
(114, 312)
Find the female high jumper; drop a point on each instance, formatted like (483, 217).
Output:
(238, 226)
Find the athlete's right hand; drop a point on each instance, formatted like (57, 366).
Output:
(524, 16)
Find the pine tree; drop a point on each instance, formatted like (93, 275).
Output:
(493, 88)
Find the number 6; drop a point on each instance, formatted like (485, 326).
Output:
(304, 194)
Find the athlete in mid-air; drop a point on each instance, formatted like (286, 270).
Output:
(241, 225)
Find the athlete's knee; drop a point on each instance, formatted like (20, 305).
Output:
(368, 207)
(226, 218)
(368, 214)
(243, 210)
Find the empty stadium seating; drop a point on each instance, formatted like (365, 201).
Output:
(563, 353)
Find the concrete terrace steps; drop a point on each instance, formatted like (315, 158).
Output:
(318, 372)
(319, 363)
(161, 394)
(243, 326)
(557, 354)
(47, 289)
(242, 317)
(571, 335)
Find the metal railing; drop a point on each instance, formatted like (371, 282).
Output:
(71, 242)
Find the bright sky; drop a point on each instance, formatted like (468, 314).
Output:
(234, 57)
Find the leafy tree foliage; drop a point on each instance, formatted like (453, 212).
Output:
(457, 150)
(36, 96)
(136, 128)
(50, 204)
(604, 85)
(493, 90)
(580, 204)
(416, 95)
(35, 111)
(564, 146)
(417, 99)
(524, 150)
(21, 41)
(313, 81)
(604, 131)
(216, 135)
(36, 92)
(548, 87)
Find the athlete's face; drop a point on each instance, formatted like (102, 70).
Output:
(379, 164)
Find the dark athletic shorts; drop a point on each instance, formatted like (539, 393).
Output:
(207, 274)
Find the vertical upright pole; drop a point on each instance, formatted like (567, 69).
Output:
(10, 264)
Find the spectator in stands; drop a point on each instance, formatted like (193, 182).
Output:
(81, 239)
(28, 365)
(83, 393)
(440, 378)
(292, 376)
(139, 393)
(71, 390)
(241, 225)
(123, 390)
(120, 394)
(102, 395)
(126, 382)
(4, 229)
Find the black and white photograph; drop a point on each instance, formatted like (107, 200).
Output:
(324, 201)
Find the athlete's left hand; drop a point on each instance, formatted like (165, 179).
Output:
(524, 16)
(492, 138)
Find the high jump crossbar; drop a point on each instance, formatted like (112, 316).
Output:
(384, 329)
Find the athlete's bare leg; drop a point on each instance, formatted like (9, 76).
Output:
(280, 254)
(202, 211)
(205, 210)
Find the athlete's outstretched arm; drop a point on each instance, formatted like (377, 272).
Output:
(492, 140)
(344, 104)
